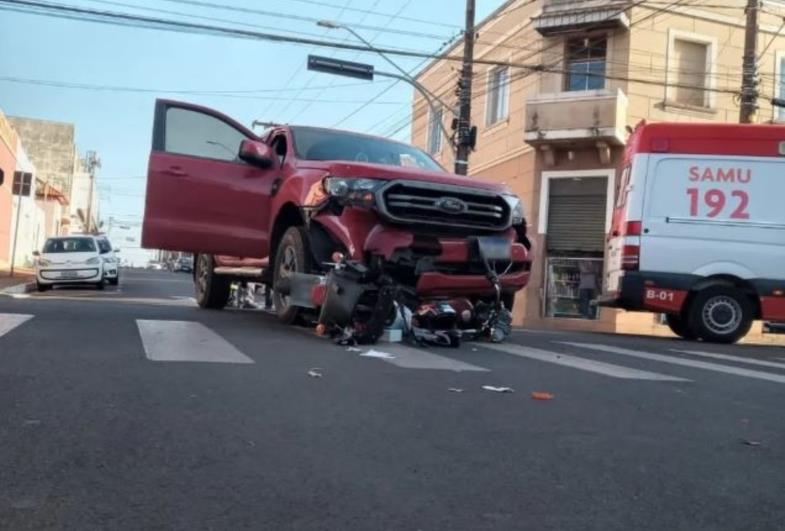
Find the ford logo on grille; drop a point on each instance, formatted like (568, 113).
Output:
(451, 205)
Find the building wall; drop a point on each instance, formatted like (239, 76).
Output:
(639, 63)
(28, 232)
(8, 142)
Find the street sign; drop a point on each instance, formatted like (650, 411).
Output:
(328, 65)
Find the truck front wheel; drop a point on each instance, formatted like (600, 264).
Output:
(720, 314)
(212, 291)
(291, 257)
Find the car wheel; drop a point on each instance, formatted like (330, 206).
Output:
(42, 287)
(99, 285)
(291, 257)
(720, 314)
(678, 326)
(212, 291)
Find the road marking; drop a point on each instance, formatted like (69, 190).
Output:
(599, 367)
(750, 361)
(736, 371)
(186, 302)
(9, 321)
(414, 358)
(186, 341)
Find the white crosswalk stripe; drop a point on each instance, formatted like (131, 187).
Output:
(607, 369)
(414, 358)
(749, 361)
(9, 321)
(186, 341)
(696, 364)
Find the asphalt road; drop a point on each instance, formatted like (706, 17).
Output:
(133, 409)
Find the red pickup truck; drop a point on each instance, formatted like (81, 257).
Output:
(333, 221)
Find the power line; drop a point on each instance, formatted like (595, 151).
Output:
(379, 14)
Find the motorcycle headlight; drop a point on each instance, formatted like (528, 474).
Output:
(352, 192)
(516, 208)
(93, 260)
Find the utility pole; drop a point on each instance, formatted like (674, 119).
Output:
(749, 73)
(92, 162)
(464, 125)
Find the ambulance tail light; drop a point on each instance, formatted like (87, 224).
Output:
(630, 257)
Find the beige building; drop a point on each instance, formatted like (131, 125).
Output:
(552, 125)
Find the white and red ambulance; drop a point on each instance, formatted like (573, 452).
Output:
(699, 228)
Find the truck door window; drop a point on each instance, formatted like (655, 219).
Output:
(200, 135)
(280, 146)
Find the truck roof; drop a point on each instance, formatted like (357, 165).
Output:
(754, 140)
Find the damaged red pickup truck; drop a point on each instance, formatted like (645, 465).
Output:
(352, 232)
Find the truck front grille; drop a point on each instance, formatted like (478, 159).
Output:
(443, 205)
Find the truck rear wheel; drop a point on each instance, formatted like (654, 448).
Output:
(212, 291)
(720, 314)
(678, 326)
(291, 257)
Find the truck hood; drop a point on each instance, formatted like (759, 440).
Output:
(389, 173)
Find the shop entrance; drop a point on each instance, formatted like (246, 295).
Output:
(575, 243)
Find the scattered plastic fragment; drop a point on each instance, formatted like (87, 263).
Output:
(498, 389)
(749, 442)
(377, 354)
(540, 395)
(32, 422)
(353, 349)
(315, 373)
(455, 390)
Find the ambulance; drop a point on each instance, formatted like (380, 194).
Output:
(698, 228)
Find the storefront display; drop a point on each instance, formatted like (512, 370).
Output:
(571, 285)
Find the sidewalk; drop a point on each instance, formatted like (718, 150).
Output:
(21, 276)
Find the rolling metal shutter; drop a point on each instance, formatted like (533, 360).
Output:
(576, 219)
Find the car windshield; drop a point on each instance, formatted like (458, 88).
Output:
(104, 246)
(70, 245)
(324, 144)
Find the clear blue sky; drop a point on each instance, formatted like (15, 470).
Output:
(117, 124)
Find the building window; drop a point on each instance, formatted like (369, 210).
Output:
(435, 131)
(586, 57)
(498, 94)
(689, 70)
(22, 183)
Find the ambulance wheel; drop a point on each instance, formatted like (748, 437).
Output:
(720, 314)
(678, 326)
(212, 291)
(291, 257)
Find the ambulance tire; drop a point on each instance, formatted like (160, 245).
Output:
(720, 314)
(678, 326)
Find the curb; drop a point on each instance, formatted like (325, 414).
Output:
(17, 289)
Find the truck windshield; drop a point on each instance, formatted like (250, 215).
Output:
(312, 143)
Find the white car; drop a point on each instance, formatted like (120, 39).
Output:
(110, 259)
(69, 260)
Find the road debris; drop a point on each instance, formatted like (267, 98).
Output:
(353, 349)
(749, 442)
(315, 372)
(455, 390)
(498, 389)
(541, 395)
(32, 422)
(377, 354)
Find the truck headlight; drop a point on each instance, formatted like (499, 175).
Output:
(352, 192)
(93, 260)
(516, 208)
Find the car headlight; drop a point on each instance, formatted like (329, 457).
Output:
(352, 192)
(109, 260)
(93, 260)
(516, 208)
(44, 262)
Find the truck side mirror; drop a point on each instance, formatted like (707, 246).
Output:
(256, 153)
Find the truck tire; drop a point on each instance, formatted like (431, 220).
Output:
(678, 326)
(720, 314)
(212, 291)
(292, 256)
